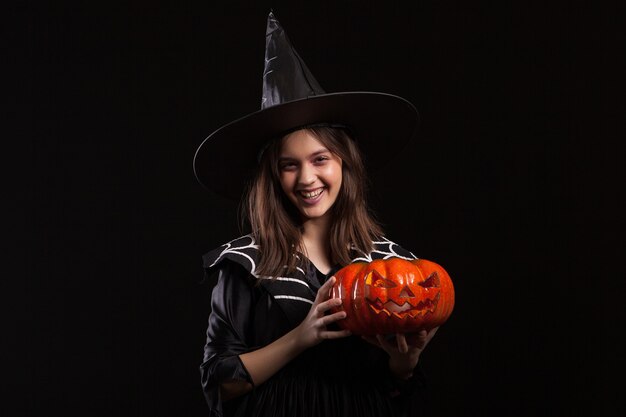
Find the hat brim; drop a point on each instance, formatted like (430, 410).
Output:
(382, 124)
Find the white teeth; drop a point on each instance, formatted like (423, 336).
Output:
(312, 194)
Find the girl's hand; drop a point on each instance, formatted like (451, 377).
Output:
(266, 361)
(403, 357)
(313, 330)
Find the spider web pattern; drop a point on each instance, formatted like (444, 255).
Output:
(385, 249)
(297, 287)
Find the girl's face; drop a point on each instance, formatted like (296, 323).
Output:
(310, 175)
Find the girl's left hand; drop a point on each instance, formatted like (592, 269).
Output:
(403, 356)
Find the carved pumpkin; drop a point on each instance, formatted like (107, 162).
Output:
(393, 296)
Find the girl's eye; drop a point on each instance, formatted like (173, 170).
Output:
(321, 159)
(286, 166)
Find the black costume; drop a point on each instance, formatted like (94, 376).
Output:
(343, 377)
(346, 377)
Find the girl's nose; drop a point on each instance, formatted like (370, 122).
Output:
(307, 175)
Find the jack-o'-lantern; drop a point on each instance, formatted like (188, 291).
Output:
(393, 296)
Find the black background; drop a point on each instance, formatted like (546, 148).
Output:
(515, 186)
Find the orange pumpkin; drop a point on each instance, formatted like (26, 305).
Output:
(393, 296)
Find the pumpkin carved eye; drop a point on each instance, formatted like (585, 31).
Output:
(431, 282)
(376, 280)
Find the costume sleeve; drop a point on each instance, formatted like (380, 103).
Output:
(228, 333)
(409, 395)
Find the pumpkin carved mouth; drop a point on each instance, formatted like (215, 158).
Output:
(408, 308)
(406, 303)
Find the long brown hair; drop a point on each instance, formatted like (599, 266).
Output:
(276, 224)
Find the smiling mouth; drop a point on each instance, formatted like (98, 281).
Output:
(311, 194)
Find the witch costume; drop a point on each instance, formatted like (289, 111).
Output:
(340, 377)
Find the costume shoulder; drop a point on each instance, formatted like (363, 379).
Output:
(294, 294)
(384, 249)
(243, 250)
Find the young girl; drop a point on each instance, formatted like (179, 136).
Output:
(273, 346)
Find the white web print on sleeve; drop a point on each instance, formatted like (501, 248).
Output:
(234, 249)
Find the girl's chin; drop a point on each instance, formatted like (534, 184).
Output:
(313, 214)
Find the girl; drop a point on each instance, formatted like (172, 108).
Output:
(273, 347)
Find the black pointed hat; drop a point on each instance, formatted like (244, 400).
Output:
(380, 123)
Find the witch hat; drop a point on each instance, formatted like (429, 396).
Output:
(381, 124)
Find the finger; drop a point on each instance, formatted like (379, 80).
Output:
(420, 339)
(403, 347)
(427, 336)
(324, 292)
(327, 305)
(331, 318)
(329, 283)
(331, 334)
(432, 332)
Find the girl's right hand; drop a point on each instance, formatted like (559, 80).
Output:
(313, 329)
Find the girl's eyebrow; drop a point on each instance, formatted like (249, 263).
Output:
(314, 154)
